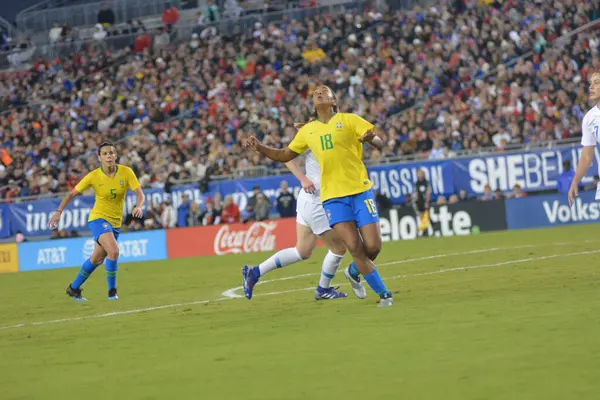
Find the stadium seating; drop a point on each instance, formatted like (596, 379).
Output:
(435, 81)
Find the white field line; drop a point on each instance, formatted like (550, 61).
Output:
(441, 271)
(111, 314)
(446, 270)
(232, 293)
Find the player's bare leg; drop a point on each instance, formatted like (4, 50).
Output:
(371, 237)
(353, 242)
(306, 241)
(98, 255)
(349, 235)
(109, 244)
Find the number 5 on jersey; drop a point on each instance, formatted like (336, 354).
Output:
(326, 142)
(113, 195)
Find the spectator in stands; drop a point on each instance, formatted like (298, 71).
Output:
(437, 152)
(232, 9)
(100, 33)
(168, 217)
(20, 238)
(462, 195)
(487, 193)
(211, 13)
(453, 199)
(106, 16)
(498, 195)
(194, 217)
(441, 200)
(172, 177)
(195, 42)
(141, 43)
(565, 178)
(153, 212)
(231, 212)
(517, 192)
(135, 226)
(286, 202)
(99, 36)
(501, 139)
(170, 17)
(150, 224)
(211, 216)
(383, 202)
(65, 31)
(183, 211)
(55, 34)
(262, 208)
(247, 214)
(5, 40)
(162, 40)
(252, 200)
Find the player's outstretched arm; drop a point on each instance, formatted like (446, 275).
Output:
(282, 155)
(53, 222)
(307, 184)
(371, 138)
(587, 157)
(138, 210)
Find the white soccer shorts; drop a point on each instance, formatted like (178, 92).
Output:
(311, 214)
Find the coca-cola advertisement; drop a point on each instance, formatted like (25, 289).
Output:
(231, 239)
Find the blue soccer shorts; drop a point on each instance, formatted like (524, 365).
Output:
(100, 226)
(360, 208)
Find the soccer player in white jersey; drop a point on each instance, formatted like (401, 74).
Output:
(312, 224)
(590, 131)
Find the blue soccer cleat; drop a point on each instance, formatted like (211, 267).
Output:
(75, 294)
(251, 275)
(329, 293)
(112, 294)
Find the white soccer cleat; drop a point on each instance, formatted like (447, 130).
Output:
(386, 301)
(357, 286)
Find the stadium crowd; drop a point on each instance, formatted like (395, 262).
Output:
(432, 79)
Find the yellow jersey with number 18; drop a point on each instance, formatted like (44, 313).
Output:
(338, 152)
(110, 193)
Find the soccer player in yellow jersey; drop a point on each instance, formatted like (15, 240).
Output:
(336, 140)
(110, 183)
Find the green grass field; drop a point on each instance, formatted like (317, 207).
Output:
(510, 315)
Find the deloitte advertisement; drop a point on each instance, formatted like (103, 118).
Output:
(458, 219)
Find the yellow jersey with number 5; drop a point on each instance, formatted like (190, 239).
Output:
(338, 152)
(110, 193)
